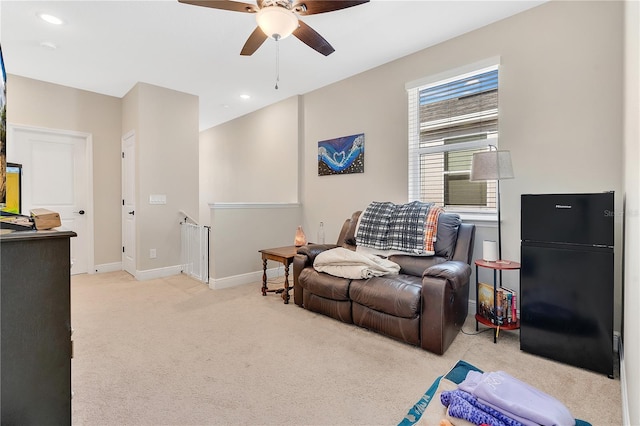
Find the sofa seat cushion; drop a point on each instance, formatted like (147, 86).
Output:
(325, 285)
(397, 295)
(338, 309)
(404, 329)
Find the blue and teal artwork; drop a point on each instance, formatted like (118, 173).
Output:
(341, 155)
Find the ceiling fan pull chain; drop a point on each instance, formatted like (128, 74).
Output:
(277, 61)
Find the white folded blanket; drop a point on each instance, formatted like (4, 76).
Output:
(345, 263)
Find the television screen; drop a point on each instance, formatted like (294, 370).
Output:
(3, 134)
(13, 188)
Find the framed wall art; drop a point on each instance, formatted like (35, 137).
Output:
(341, 155)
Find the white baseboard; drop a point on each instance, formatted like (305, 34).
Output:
(108, 267)
(150, 274)
(626, 419)
(242, 279)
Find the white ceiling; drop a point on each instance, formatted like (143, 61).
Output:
(109, 46)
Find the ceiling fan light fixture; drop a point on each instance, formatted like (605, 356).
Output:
(277, 22)
(54, 20)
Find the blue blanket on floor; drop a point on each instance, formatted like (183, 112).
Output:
(456, 375)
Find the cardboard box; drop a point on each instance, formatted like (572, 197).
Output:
(45, 219)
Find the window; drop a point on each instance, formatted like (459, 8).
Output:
(449, 120)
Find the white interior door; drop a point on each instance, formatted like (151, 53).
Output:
(129, 203)
(56, 175)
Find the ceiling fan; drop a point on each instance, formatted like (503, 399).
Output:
(278, 19)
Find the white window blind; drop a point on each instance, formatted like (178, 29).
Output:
(449, 120)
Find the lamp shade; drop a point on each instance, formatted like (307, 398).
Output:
(277, 22)
(491, 165)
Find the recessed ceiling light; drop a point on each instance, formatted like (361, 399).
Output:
(245, 97)
(50, 19)
(49, 45)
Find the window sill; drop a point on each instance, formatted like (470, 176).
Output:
(476, 217)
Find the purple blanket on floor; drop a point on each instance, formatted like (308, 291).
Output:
(463, 405)
(516, 399)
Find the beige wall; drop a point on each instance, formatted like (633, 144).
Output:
(166, 127)
(239, 231)
(631, 335)
(130, 111)
(560, 94)
(562, 125)
(252, 158)
(40, 104)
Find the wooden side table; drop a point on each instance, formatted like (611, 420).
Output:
(283, 255)
(498, 265)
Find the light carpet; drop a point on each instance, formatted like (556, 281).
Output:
(173, 352)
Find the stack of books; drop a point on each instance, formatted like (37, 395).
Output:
(506, 300)
(15, 222)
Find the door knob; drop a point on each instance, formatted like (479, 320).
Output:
(132, 212)
(80, 212)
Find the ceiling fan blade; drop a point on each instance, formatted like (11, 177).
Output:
(311, 7)
(234, 6)
(254, 41)
(311, 38)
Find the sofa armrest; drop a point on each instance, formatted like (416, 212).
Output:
(312, 250)
(455, 272)
(445, 304)
(304, 258)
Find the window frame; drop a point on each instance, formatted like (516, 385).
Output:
(415, 152)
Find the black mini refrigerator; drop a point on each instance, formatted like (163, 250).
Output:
(566, 279)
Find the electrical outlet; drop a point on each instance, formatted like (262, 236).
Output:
(152, 253)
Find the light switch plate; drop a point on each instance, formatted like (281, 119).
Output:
(157, 199)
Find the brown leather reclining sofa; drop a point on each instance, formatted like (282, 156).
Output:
(424, 305)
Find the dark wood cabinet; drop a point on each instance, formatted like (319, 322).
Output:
(35, 310)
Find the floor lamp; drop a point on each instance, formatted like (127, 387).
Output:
(492, 165)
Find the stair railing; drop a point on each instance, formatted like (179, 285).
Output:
(195, 248)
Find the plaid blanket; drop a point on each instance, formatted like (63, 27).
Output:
(374, 225)
(406, 227)
(431, 228)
